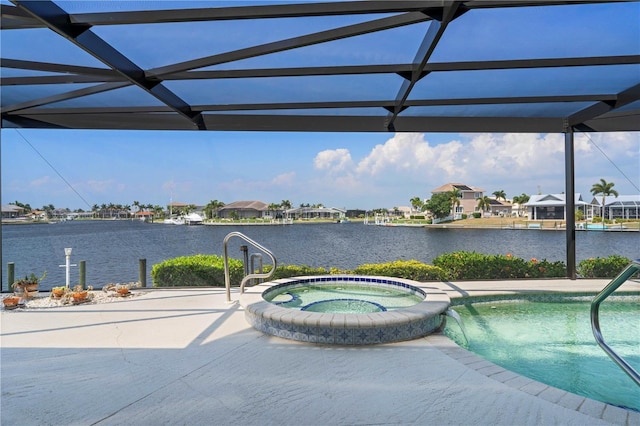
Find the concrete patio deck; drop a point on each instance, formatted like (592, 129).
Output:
(185, 356)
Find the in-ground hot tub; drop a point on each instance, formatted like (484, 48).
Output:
(345, 310)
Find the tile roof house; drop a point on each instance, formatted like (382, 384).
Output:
(468, 201)
(500, 208)
(11, 211)
(244, 210)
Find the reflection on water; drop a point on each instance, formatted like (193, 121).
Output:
(111, 249)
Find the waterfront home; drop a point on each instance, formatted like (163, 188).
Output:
(316, 213)
(144, 216)
(38, 215)
(176, 207)
(620, 207)
(405, 211)
(60, 214)
(500, 208)
(518, 209)
(553, 207)
(356, 213)
(468, 198)
(244, 210)
(11, 211)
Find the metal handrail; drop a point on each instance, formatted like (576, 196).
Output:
(628, 272)
(227, 278)
(252, 258)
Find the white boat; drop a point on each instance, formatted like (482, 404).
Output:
(174, 221)
(193, 219)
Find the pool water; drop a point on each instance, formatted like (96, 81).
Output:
(552, 342)
(343, 298)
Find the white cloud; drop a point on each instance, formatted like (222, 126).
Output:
(333, 160)
(284, 179)
(40, 181)
(99, 186)
(411, 154)
(241, 186)
(508, 154)
(409, 164)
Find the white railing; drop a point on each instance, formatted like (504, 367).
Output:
(251, 275)
(629, 272)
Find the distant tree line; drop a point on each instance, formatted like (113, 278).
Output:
(440, 205)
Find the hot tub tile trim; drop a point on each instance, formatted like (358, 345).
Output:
(359, 329)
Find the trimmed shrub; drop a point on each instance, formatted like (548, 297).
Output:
(598, 219)
(608, 267)
(199, 270)
(477, 215)
(408, 269)
(288, 271)
(464, 265)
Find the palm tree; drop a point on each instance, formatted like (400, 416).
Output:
(273, 207)
(484, 203)
(26, 207)
(416, 203)
(500, 194)
(157, 211)
(605, 188)
(49, 210)
(520, 200)
(454, 198)
(286, 204)
(212, 207)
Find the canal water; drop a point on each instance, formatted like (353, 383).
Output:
(112, 249)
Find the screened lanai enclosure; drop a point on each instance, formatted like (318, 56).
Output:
(330, 66)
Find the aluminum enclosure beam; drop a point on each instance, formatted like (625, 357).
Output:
(570, 203)
(59, 21)
(428, 45)
(293, 43)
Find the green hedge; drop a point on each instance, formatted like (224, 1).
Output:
(288, 271)
(608, 267)
(199, 270)
(408, 269)
(462, 265)
(208, 270)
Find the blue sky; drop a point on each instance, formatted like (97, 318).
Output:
(77, 169)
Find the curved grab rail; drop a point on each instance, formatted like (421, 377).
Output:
(227, 278)
(628, 272)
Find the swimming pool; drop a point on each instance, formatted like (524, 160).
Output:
(348, 297)
(345, 310)
(549, 339)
